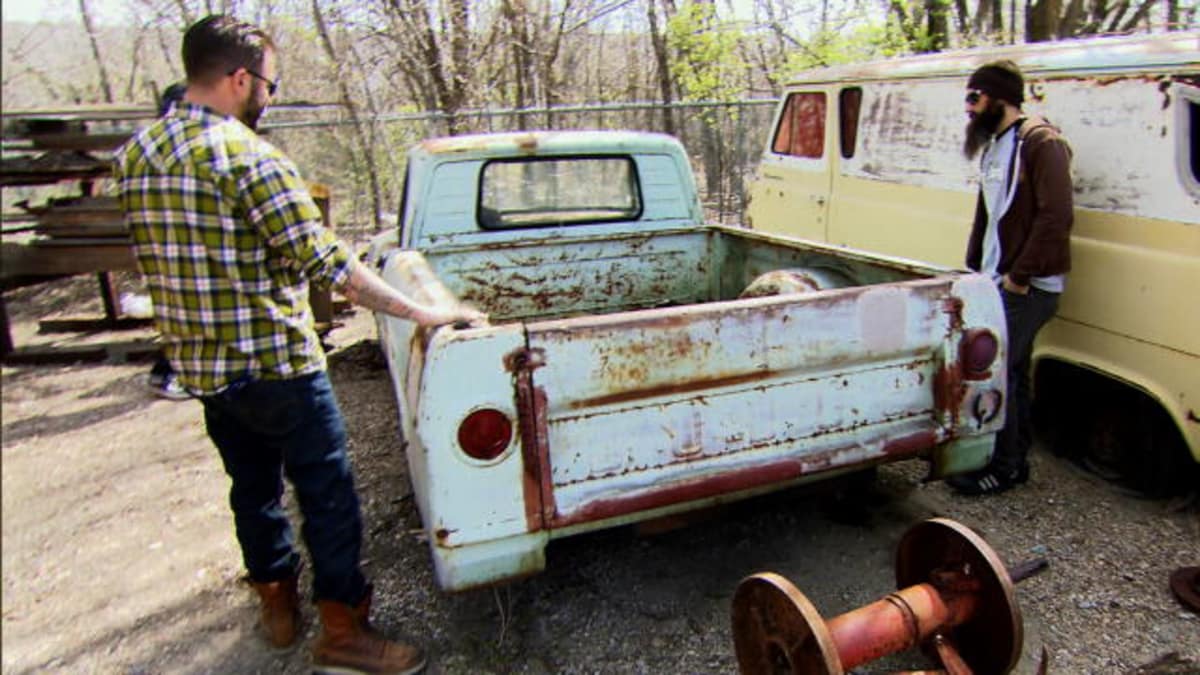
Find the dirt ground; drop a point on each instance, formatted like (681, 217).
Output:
(119, 556)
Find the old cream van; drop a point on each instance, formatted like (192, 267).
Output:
(869, 156)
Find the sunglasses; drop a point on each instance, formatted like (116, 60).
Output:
(272, 85)
(973, 96)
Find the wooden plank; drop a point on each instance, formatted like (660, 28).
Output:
(50, 167)
(18, 178)
(92, 232)
(17, 260)
(93, 324)
(89, 113)
(60, 242)
(82, 142)
(134, 350)
(79, 211)
(6, 341)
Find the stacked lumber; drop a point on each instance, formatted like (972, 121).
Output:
(70, 147)
(76, 220)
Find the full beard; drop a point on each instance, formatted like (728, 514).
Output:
(252, 112)
(980, 129)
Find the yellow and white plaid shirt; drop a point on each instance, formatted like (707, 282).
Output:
(228, 238)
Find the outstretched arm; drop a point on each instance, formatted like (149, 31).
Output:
(367, 289)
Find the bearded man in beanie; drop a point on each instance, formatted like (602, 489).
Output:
(1021, 236)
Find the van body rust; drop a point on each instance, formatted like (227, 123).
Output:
(877, 164)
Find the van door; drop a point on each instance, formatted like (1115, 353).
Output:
(902, 186)
(791, 193)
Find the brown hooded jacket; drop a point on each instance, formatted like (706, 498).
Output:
(1035, 232)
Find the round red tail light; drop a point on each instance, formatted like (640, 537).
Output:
(484, 434)
(978, 351)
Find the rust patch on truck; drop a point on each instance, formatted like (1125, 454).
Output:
(911, 444)
(775, 472)
(521, 360)
(953, 307)
(949, 391)
(671, 389)
(535, 452)
(780, 471)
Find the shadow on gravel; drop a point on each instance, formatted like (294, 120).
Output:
(659, 603)
(55, 425)
(175, 641)
(361, 358)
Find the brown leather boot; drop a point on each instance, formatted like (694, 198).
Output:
(348, 644)
(280, 611)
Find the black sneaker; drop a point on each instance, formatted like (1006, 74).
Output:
(988, 481)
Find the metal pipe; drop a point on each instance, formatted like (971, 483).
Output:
(899, 621)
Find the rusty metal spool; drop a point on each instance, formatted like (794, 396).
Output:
(1185, 583)
(956, 602)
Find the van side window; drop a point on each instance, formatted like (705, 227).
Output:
(849, 102)
(801, 131)
(1188, 138)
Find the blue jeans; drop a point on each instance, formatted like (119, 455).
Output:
(265, 429)
(1025, 316)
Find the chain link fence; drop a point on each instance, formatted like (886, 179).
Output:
(723, 139)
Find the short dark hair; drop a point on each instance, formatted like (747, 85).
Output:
(220, 44)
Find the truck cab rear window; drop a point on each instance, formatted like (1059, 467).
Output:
(552, 192)
(801, 131)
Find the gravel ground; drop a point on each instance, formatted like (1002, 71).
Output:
(118, 552)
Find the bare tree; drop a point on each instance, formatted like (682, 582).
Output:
(433, 46)
(365, 139)
(662, 59)
(88, 25)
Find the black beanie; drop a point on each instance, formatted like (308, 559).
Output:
(999, 81)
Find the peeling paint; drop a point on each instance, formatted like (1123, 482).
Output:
(638, 380)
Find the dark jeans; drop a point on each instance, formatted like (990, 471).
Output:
(265, 429)
(162, 367)
(1025, 316)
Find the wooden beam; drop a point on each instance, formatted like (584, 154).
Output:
(82, 142)
(18, 260)
(87, 325)
(114, 351)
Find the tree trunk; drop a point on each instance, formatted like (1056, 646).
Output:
(365, 148)
(1041, 20)
(962, 17)
(1122, 8)
(518, 39)
(658, 41)
(135, 64)
(1072, 21)
(907, 27)
(937, 21)
(460, 53)
(1139, 15)
(86, 14)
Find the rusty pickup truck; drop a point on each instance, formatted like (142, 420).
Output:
(639, 362)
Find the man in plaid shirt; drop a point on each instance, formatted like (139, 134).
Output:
(228, 239)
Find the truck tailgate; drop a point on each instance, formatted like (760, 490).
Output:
(646, 409)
